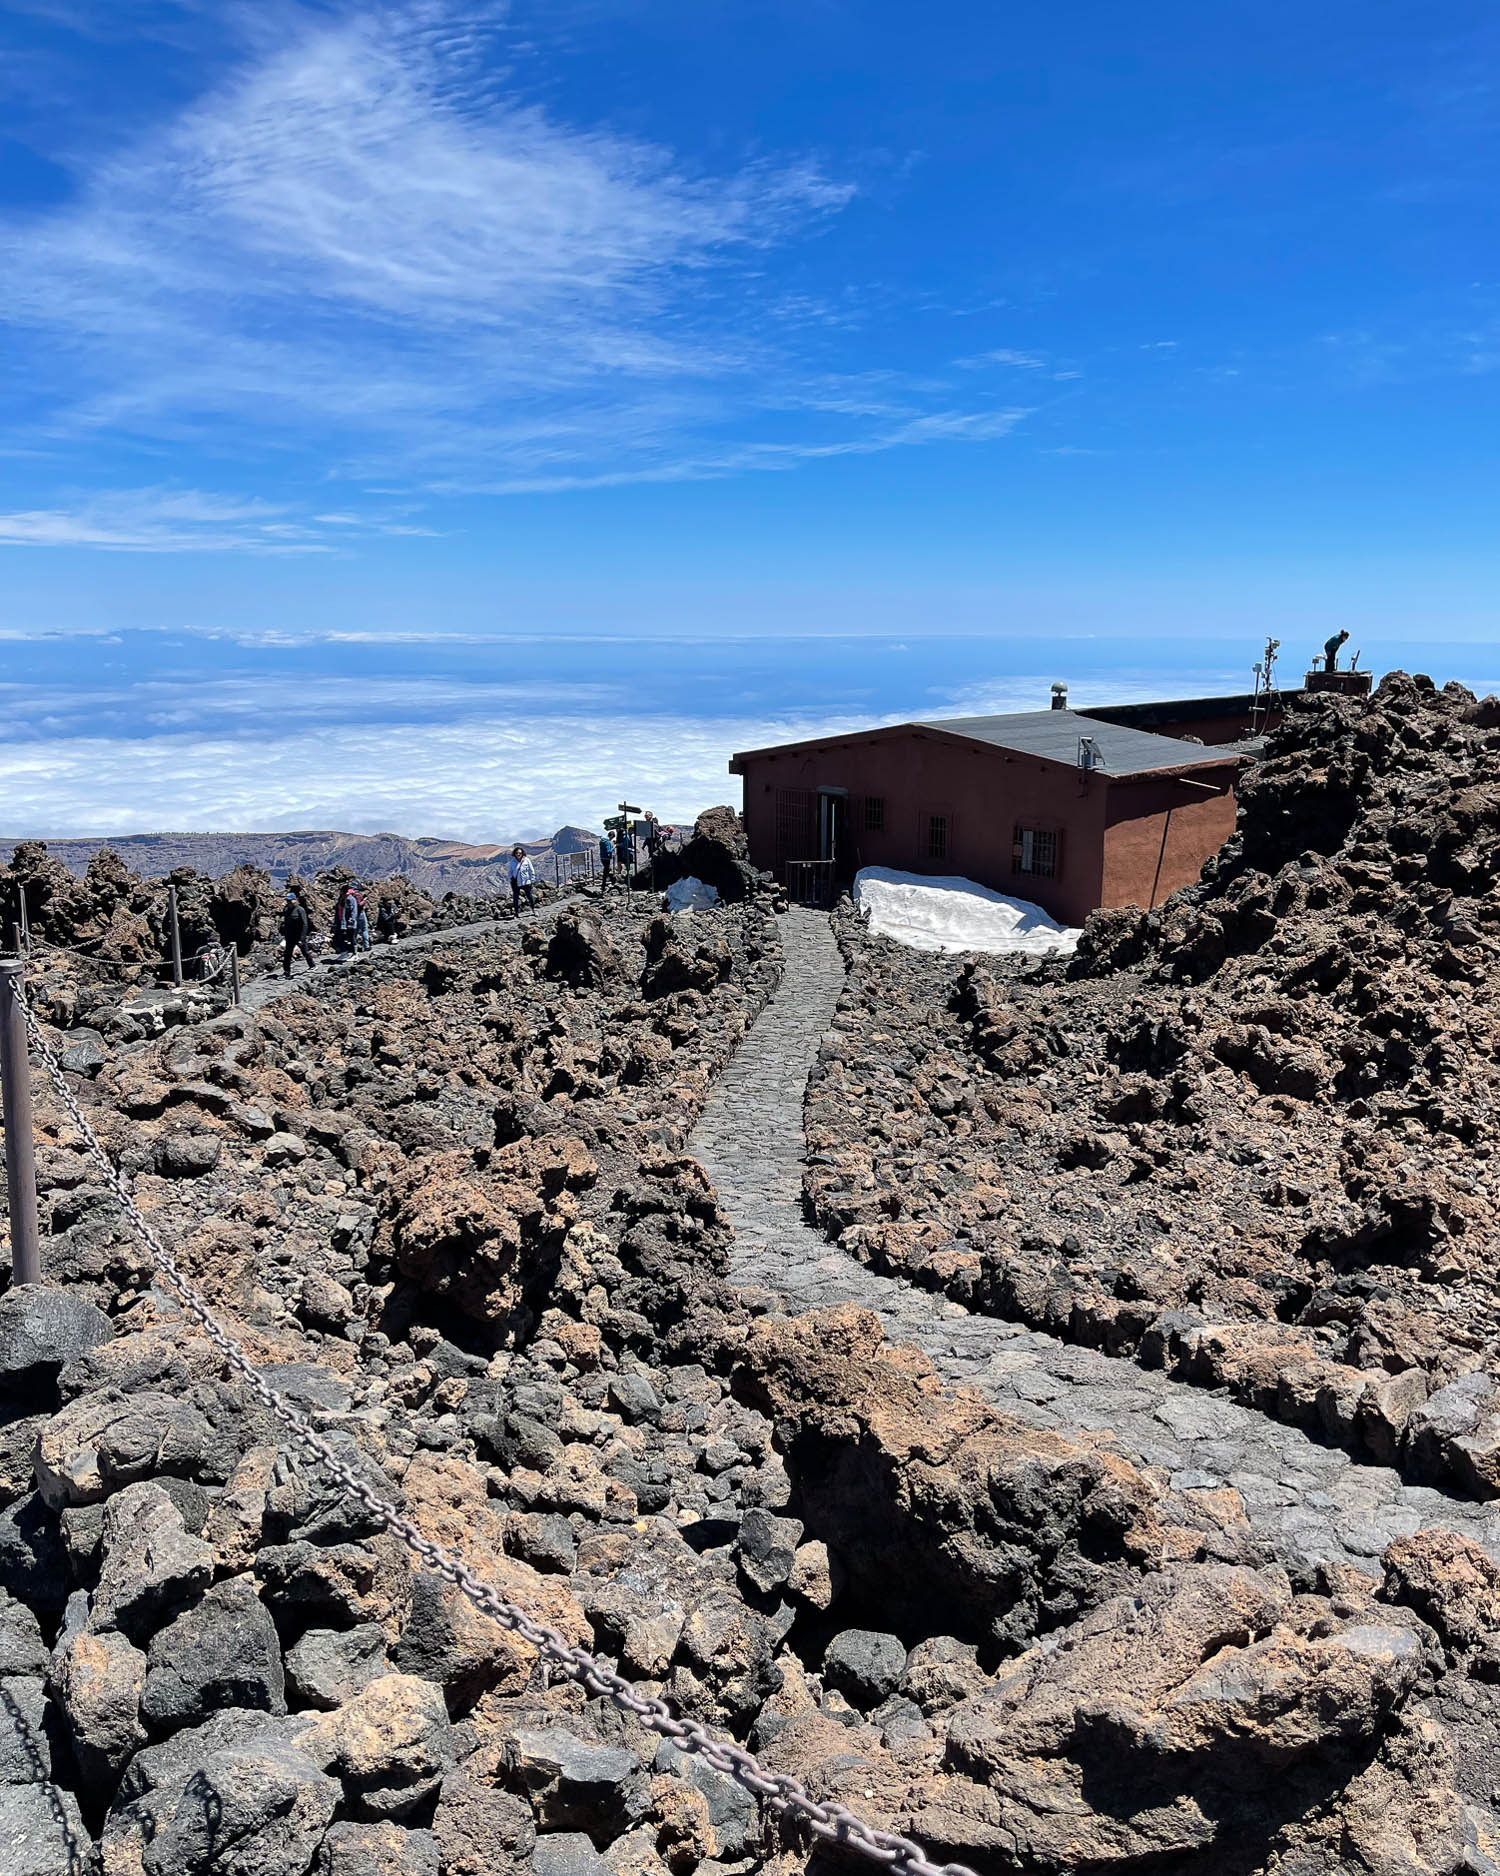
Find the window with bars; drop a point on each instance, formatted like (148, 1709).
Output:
(874, 814)
(1034, 851)
(937, 836)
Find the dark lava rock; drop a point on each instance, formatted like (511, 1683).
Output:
(864, 1666)
(41, 1331)
(234, 1797)
(329, 1666)
(576, 1785)
(223, 1652)
(188, 1155)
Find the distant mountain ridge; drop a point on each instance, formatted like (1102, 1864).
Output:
(438, 866)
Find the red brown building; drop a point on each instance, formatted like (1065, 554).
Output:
(1068, 809)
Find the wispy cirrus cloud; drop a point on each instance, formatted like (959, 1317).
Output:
(360, 254)
(167, 520)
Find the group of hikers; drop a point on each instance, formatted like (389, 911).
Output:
(351, 925)
(617, 853)
(352, 929)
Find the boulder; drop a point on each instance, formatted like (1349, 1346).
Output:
(223, 1652)
(41, 1331)
(42, 1833)
(378, 1849)
(97, 1681)
(184, 1155)
(328, 1667)
(22, 1650)
(234, 1797)
(767, 1549)
(864, 1665)
(579, 953)
(33, 1558)
(102, 1441)
(28, 1727)
(575, 1784)
(151, 1566)
(481, 1827)
(389, 1746)
(567, 1853)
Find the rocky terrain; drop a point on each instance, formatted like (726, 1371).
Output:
(1249, 1137)
(101, 946)
(448, 1201)
(435, 866)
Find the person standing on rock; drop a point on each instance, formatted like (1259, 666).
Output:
(1331, 650)
(606, 859)
(361, 923)
(294, 930)
(522, 879)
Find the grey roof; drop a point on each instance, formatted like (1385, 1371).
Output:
(1053, 736)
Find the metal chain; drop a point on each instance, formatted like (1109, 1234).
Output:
(779, 1792)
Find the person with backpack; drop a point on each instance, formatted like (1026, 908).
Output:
(522, 879)
(361, 924)
(294, 931)
(606, 859)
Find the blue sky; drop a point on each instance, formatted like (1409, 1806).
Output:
(1160, 327)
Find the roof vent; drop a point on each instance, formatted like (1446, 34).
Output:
(1059, 696)
(1090, 755)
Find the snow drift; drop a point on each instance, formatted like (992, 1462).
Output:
(690, 895)
(955, 915)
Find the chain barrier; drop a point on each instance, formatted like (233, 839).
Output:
(778, 1791)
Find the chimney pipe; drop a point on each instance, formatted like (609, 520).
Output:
(1059, 696)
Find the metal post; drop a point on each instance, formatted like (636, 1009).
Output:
(20, 1144)
(234, 974)
(25, 944)
(176, 935)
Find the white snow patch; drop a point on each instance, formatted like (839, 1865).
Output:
(955, 915)
(690, 895)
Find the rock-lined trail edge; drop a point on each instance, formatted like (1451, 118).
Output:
(1306, 1502)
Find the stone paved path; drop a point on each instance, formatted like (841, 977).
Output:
(1303, 1499)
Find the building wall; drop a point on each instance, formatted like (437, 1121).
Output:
(1159, 832)
(982, 793)
(1208, 720)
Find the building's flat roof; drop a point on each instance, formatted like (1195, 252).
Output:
(1052, 735)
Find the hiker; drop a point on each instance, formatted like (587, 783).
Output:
(606, 858)
(1331, 650)
(653, 836)
(361, 925)
(387, 922)
(345, 920)
(294, 930)
(522, 879)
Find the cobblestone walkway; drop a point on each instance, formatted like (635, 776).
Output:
(1305, 1501)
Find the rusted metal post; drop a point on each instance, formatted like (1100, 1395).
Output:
(234, 973)
(20, 1143)
(176, 935)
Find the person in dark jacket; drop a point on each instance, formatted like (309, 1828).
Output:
(387, 922)
(294, 930)
(606, 858)
(1331, 649)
